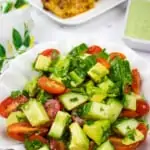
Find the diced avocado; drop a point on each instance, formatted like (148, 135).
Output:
(42, 63)
(106, 146)
(106, 85)
(115, 109)
(75, 79)
(44, 147)
(130, 101)
(72, 100)
(97, 72)
(98, 97)
(31, 87)
(15, 117)
(54, 77)
(89, 86)
(133, 137)
(59, 125)
(96, 130)
(95, 111)
(35, 112)
(79, 140)
(123, 126)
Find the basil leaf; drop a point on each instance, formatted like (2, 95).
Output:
(1, 63)
(7, 7)
(20, 3)
(17, 39)
(26, 39)
(2, 51)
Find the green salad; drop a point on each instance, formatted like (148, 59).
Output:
(86, 100)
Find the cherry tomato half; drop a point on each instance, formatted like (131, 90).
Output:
(117, 142)
(18, 131)
(53, 53)
(94, 49)
(51, 86)
(129, 113)
(117, 54)
(10, 104)
(142, 107)
(103, 62)
(57, 145)
(136, 81)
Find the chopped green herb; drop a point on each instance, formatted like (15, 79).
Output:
(74, 99)
(15, 94)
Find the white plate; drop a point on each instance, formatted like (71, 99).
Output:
(101, 7)
(20, 71)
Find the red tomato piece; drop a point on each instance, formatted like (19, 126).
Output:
(136, 81)
(142, 107)
(50, 52)
(117, 54)
(103, 62)
(51, 86)
(52, 107)
(117, 142)
(143, 128)
(38, 138)
(10, 104)
(94, 49)
(129, 114)
(57, 145)
(18, 131)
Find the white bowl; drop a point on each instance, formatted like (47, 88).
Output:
(138, 44)
(20, 71)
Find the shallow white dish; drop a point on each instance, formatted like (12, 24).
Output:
(101, 7)
(135, 43)
(20, 71)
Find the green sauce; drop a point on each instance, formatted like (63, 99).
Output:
(138, 22)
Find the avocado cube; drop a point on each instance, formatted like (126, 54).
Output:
(95, 111)
(72, 100)
(132, 137)
(42, 63)
(79, 140)
(98, 97)
(15, 117)
(123, 126)
(96, 130)
(59, 125)
(106, 146)
(115, 108)
(130, 101)
(35, 112)
(97, 72)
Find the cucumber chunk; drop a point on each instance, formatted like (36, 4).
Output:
(123, 126)
(106, 146)
(96, 130)
(72, 100)
(59, 125)
(35, 112)
(79, 140)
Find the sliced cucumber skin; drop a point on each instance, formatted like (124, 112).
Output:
(69, 102)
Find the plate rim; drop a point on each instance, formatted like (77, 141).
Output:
(80, 21)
